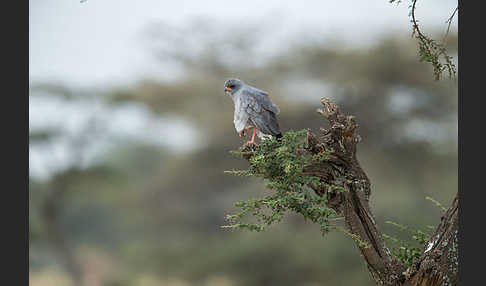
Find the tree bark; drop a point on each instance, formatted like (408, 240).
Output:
(437, 266)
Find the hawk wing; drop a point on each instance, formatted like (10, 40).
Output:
(241, 116)
(262, 112)
(261, 97)
(241, 119)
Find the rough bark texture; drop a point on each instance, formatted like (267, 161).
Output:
(437, 266)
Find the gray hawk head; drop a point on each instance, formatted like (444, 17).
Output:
(233, 85)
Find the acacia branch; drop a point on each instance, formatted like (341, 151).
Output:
(354, 202)
(341, 168)
(439, 263)
(431, 51)
(416, 28)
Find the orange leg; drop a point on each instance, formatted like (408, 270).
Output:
(252, 137)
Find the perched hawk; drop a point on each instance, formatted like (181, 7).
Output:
(253, 109)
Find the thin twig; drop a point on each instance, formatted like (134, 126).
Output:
(437, 204)
(430, 50)
(416, 27)
(449, 21)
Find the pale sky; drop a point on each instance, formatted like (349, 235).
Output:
(98, 42)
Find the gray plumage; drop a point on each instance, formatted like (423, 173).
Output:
(253, 108)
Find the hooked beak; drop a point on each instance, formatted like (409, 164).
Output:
(226, 89)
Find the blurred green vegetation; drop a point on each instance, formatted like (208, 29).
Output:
(145, 215)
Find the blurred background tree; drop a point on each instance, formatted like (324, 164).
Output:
(126, 183)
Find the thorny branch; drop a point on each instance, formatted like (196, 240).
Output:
(431, 51)
(353, 204)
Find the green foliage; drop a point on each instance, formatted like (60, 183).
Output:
(355, 237)
(430, 50)
(404, 251)
(434, 53)
(439, 205)
(282, 165)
